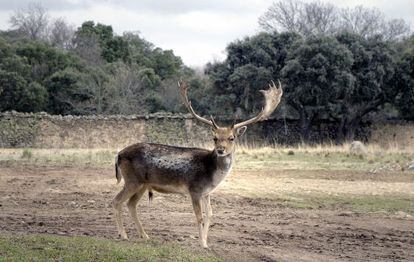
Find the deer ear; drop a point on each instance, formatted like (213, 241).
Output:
(240, 131)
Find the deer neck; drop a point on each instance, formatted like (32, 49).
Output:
(224, 163)
(222, 167)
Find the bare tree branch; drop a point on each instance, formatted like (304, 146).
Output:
(31, 21)
(363, 21)
(282, 15)
(61, 33)
(320, 18)
(396, 28)
(313, 18)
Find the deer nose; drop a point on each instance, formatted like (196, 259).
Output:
(220, 151)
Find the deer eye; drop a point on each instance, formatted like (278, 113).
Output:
(231, 138)
(215, 139)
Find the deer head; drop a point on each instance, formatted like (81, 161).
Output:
(225, 137)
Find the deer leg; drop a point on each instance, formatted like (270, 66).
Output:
(132, 207)
(208, 213)
(120, 198)
(199, 216)
(208, 206)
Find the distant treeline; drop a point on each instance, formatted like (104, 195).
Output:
(47, 65)
(358, 68)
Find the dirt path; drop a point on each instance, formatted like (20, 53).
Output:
(75, 201)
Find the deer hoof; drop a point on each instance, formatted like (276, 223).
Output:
(144, 236)
(123, 236)
(204, 244)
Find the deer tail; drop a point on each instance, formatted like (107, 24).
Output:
(117, 170)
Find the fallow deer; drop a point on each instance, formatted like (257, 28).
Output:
(193, 171)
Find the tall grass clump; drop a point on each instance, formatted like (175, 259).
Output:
(27, 153)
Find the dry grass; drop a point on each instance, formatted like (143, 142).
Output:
(372, 149)
(319, 157)
(323, 157)
(88, 157)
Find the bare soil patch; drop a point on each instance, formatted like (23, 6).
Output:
(76, 201)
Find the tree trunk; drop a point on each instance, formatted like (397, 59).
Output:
(352, 118)
(305, 125)
(340, 133)
(352, 127)
(304, 119)
(347, 128)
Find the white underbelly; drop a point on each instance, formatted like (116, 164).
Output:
(178, 189)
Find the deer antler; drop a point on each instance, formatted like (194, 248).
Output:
(183, 91)
(272, 99)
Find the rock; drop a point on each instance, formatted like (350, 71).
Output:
(357, 148)
(345, 214)
(402, 214)
(410, 167)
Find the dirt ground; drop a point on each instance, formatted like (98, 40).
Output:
(76, 201)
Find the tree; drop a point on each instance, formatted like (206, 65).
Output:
(115, 49)
(295, 16)
(362, 21)
(34, 98)
(31, 21)
(99, 41)
(282, 15)
(316, 71)
(17, 64)
(405, 80)
(87, 48)
(139, 49)
(126, 90)
(17, 94)
(44, 60)
(374, 82)
(371, 22)
(61, 34)
(98, 80)
(250, 64)
(165, 63)
(319, 18)
(396, 29)
(11, 90)
(68, 92)
(6, 49)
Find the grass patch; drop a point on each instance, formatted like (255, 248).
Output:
(301, 160)
(363, 204)
(318, 158)
(267, 158)
(60, 157)
(58, 248)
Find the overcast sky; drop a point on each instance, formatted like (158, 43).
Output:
(198, 31)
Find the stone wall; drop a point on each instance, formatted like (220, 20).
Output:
(46, 131)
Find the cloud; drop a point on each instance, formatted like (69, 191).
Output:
(49, 4)
(197, 35)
